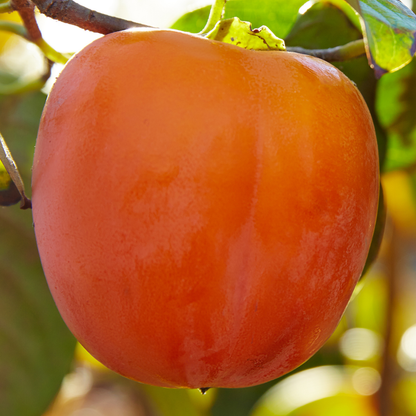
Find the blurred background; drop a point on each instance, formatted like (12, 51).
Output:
(368, 366)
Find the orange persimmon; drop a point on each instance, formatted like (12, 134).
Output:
(203, 212)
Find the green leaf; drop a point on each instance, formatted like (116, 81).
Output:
(326, 25)
(194, 21)
(390, 29)
(36, 348)
(277, 15)
(396, 103)
(323, 25)
(240, 34)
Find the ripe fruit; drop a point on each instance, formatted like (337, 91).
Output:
(202, 212)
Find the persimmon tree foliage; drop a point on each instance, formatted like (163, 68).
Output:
(205, 197)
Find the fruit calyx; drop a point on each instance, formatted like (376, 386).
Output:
(240, 33)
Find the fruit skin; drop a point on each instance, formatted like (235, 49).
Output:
(202, 212)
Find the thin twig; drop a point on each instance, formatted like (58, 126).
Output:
(68, 11)
(30, 30)
(345, 52)
(26, 10)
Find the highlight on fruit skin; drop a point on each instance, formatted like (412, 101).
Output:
(202, 212)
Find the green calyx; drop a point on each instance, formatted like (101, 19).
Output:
(239, 33)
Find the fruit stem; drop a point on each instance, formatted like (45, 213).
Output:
(345, 52)
(215, 15)
(203, 390)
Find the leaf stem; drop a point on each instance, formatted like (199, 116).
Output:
(215, 15)
(51, 53)
(14, 28)
(345, 52)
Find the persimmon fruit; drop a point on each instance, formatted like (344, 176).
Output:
(202, 212)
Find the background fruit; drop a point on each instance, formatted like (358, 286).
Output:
(206, 218)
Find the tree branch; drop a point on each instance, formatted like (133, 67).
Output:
(69, 11)
(346, 52)
(26, 10)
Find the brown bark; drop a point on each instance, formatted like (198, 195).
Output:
(69, 11)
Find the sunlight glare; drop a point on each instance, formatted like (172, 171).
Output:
(306, 7)
(366, 381)
(22, 59)
(360, 344)
(76, 384)
(158, 13)
(406, 355)
(305, 387)
(68, 38)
